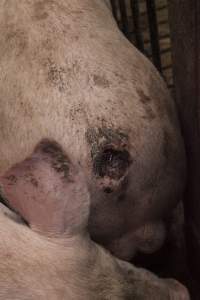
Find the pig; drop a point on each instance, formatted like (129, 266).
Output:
(54, 257)
(68, 74)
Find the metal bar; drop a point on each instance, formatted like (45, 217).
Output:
(162, 37)
(124, 18)
(136, 22)
(153, 30)
(167, 67)
(114, 8)
(163, 22)
(165, 50)
(158, 8)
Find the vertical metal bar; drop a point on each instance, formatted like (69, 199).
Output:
(136, 22)
(114, 8)
(153, 30)
(124, 18)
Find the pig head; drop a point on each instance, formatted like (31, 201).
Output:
(68, 74)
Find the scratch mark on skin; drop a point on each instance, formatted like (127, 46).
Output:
(147, 102)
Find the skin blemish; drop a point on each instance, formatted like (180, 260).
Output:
(61, 76)
(100, 138)
(143, 98)
(108, 151)
(59, 160)
(12, 179)
(40, 13)
(108, 190)
(101, 81)
(33, 181)
(15, 41)
(56, 75)
(111, 163)
(146, 101)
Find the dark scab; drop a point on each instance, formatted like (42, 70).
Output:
(59, 160)
(108, 190)
(108, 152)
(111, 163)
(100, 137)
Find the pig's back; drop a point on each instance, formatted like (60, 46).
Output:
(65, 68)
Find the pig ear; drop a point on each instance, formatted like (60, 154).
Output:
(47, 191)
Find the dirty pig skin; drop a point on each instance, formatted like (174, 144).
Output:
(68, 74)
(54, 257)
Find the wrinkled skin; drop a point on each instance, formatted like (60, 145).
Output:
(68, 74)
(54, 258)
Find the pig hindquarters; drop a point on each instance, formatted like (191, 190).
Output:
(55, 258)
(68, 74)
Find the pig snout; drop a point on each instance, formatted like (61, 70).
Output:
(47, 190)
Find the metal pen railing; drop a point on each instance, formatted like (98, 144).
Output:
(138, 20)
